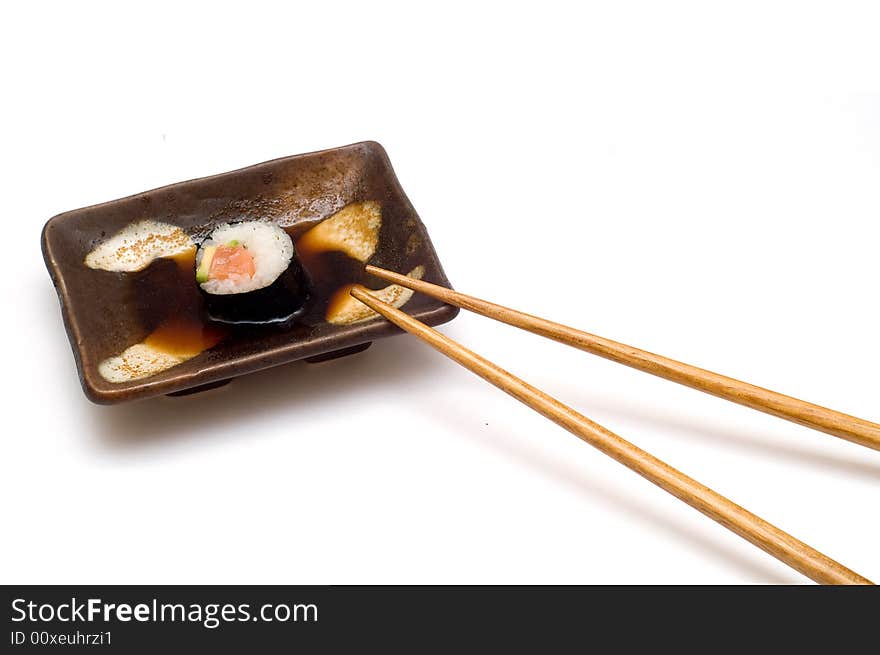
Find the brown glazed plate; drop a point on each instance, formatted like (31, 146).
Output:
(106, 312)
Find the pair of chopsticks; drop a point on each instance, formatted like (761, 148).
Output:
(752, 528)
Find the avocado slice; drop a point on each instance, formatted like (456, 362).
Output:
(205, 265)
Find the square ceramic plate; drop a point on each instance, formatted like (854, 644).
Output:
(106, 312)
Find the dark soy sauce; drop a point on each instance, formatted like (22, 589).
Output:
(332, 273)
(173, 309)
(175, 314)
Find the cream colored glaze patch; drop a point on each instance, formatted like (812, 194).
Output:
(345, 309)
(354, 230)
(134, 247)
(138, 361)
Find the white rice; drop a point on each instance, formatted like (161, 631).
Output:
(270, 246)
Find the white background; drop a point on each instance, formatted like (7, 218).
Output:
(695, 179)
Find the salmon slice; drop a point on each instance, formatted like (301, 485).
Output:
(230, 262)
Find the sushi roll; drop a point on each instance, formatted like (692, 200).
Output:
(248, 273)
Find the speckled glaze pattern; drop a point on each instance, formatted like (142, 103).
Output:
(103, 311)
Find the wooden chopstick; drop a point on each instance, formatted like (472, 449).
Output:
(779, 544)
(838, 424)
